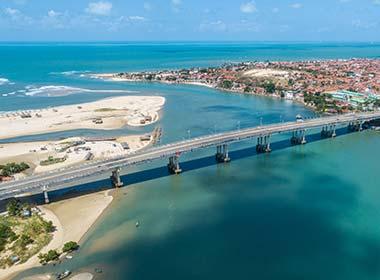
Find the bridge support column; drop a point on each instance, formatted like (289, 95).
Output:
(173, 165)
(263, 144)
(222, 153)
(303, 137)
(298, 137)
(355, 126)
(115, 178)
(328, 131)
(46, 195)
(333, 132)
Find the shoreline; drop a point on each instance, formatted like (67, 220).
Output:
(104, 114)
(112, 78)
(73, 219)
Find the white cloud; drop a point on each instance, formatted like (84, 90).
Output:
(53, 13)
(11, 12)
(248, 7)
(17, 17)
(296, 6)
(275, 10)
(218, 26)
(176, 5)
(136, 18)
(99, 8)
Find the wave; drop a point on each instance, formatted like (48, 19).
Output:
(55, 91)
(71, 73)
(4, 81)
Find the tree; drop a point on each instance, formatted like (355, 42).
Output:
(227, 84)
(70, 246)
(14, 207)
(270, 87)
(52, 255)
(25, 240)
(48, 226)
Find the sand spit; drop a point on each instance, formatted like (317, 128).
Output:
(107, 114)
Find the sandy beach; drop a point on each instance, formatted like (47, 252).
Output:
(107, 114)
(72, 218)
(75, 150)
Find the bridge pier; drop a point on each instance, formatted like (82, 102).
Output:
(222, 153)
(328, 131)
(355, 126)
(46, 195)
(298, 137)
(115, 178)
(173, 165)
(263, 144)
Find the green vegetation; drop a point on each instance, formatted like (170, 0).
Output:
(22, 235)
(12, 168)
(70, 246)
(227, 84)
(269, 87)
(320, 101)
(52, 255)
(52, 160)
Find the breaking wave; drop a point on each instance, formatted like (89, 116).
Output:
(4, 81)
(54, 91)
(71, 73)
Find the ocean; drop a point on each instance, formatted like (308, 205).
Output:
(307, 212)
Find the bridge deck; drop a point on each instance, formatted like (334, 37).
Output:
(35, 183)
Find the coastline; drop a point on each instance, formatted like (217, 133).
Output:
(111, 77)
(73, 218)
(104, 114)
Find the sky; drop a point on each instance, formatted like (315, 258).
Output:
(190, 20)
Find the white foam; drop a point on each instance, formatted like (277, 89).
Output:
(51, 91)
(71, 73)
(4, 81)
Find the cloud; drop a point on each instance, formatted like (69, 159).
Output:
(176, 2)
(136, 18)
(359, 24)
(218, 26)
(376, 2)
(275, 10)
(17, 17)
(99, 8)
(296, 6)
(248, 7)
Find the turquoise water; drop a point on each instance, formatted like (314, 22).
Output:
(299, 213)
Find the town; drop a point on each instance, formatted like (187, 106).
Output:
(328, 86)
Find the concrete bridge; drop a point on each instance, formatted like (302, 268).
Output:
(63, 178)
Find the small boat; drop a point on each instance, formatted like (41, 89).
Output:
(137, 224)
(63, 275)
(98, 270)
(69, 257)
(299, 118)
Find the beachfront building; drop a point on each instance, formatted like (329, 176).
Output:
(355, 99)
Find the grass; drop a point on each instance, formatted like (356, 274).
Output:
(31, 235)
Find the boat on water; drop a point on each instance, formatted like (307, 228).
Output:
(299, 118)
(63, 275)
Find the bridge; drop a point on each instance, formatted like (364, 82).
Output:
(62, 178)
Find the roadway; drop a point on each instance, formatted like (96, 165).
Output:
(62, 177)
